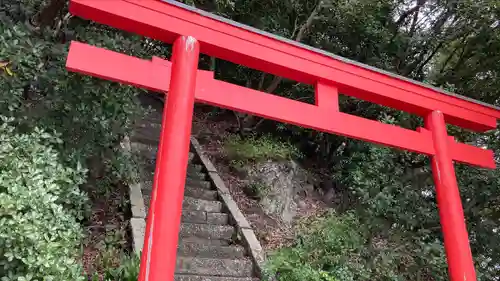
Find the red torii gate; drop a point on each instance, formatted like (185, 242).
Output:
(193, 31)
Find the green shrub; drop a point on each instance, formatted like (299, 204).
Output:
(257, 149)
(40, 208)
(327, 249)
(127, 270)
(91, 115)
(342, 247)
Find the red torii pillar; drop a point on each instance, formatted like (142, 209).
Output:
(451, 214)
(328, 73)
(159, 261)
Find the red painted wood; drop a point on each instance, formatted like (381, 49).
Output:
(158, 259)
(456, 240)
(475, 154)
(103, 63)
(326, 96)
(164, 22)
(87, 59)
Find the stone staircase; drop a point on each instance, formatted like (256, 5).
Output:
(210, 248)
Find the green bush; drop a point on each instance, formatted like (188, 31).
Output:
(327, 249)
(342, 247)
(91, 115)
(40, 208)
(258, 149)
(126, 270)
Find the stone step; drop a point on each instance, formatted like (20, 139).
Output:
(195, 167)
(188, 249)
(211, 242)
(207, 231)
(217, 267)
(201, 193)
(196, 175)
(189, 191)
(189, 277)
(154, 115)
(204, 217)
(149, 151)
(189, 203)
(194, 204)
(198, 183)
(144, 151)
(145, 136)
(148, 168)
(151, 123)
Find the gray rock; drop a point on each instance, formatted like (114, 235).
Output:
(282, 181)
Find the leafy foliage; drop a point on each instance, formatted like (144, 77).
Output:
(323, 251)
(40, 208)
(126, 270)
(337, 247)
(90, 117)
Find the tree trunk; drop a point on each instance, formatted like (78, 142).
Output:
(302, 32)
(49, 14)
(300, 35)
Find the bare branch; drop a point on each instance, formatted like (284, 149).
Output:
(50, 13)
(213, 63)
(414, 22)
(452, 54)
(274, 84)
(409, 12)
(308, 23)
(434, 52)
(261, 81)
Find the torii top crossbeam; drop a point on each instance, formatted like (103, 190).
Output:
(244, 45)
(193, 31)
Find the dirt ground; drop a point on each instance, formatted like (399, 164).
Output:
(106, 231)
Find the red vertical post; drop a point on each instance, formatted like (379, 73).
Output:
(158, 258)
(456, 240)
(326, 96)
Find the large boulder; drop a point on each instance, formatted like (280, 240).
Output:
(278, 183)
